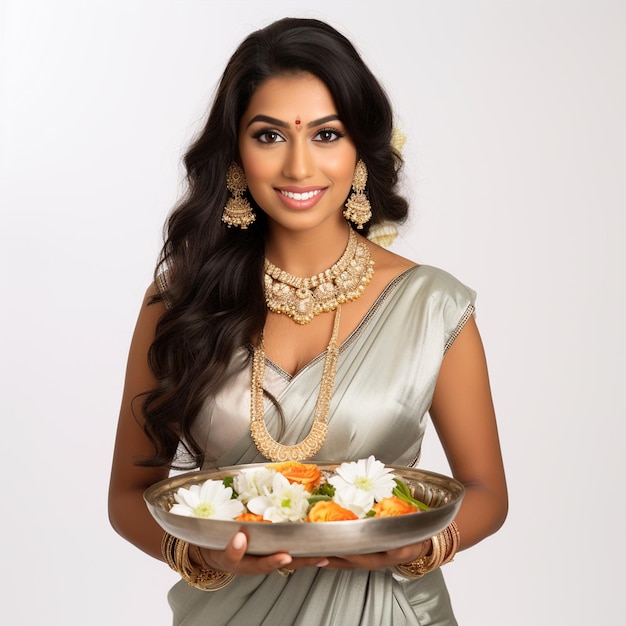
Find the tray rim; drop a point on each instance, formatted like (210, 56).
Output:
(162, 488)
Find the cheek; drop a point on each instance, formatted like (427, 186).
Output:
(255, 162)
(257, 169)
(341, 168)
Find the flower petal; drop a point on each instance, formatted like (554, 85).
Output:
(229, 510)
(181, 509)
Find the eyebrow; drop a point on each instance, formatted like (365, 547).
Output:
(276, 122)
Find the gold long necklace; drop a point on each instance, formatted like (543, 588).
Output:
(311, 444)
(304, 298)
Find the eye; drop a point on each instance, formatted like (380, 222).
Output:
(266, 135)
(328, 135)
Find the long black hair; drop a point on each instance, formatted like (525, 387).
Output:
(213, 284)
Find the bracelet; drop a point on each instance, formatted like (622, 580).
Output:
(176, 554)
(444, 546)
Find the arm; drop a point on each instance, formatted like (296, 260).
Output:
(464, 418)
(128, 513)
(463, 414)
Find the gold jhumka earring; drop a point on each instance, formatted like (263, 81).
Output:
(237, 211)
(358, 208)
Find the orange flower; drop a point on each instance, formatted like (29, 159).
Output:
(329, 511)
(250, 517)
(392, 506)
(306, 474)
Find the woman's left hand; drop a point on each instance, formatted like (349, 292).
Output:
(380, 560)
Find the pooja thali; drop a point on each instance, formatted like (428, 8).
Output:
(441, 493)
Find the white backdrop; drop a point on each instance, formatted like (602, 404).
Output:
(514, 112)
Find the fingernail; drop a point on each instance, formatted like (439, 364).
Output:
(323, 563)
(239, 541)
(285, 560)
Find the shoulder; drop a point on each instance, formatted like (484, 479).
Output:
(433, 283)
(439, 282)
(435, 296)
(390, 266)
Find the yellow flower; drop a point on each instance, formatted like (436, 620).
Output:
(390, 507)
(307, 474)
(250, 517)
(329, 511)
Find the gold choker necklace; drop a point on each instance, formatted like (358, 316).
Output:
(304, 298)
(311, 444)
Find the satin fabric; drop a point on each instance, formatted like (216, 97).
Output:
(386, 375)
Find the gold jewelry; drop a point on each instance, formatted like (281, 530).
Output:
(284, 571)
(176, 554)
(444, 547)
(358, 208)
(311, 444)
(304, 298)
(237, 211)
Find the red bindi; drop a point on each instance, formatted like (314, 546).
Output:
(298, 126)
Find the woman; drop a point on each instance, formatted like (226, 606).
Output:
(293, 168)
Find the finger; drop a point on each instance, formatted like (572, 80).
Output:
(236, 549)
(234, 559)
(406, 554)
(314, 561)
(336, 562)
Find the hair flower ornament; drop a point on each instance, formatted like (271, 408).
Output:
(398, 139)
(385, 233)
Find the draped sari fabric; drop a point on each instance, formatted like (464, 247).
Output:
(385, 380)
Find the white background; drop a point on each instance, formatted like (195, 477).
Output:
(515, 117)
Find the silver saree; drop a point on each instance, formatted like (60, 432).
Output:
(384, 384)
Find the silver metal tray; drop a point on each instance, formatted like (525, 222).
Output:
(442, 493)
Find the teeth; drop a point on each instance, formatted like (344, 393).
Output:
(307, 195)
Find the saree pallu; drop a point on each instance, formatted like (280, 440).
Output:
(386, 375)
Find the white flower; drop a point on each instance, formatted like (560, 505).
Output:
(361, 483)
(209, 500)
(282, 502)
(252, 482)
(383, 234)
(357, 500)
(398, 139)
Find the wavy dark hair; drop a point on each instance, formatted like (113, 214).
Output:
(214, 287)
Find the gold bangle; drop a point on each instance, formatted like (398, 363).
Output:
(444, 547)
(454, 539)
(176, 554)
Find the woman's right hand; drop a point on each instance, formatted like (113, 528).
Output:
(234, 559)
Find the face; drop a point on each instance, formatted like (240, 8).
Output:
(297, 157)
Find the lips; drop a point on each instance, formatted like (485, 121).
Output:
(300, 198)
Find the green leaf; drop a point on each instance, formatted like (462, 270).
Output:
(324, 490)
(229, 481)
(402, 491)
(318, 498)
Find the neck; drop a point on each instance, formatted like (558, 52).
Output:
(306, 253)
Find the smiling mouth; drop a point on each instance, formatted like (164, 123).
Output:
(306, 195)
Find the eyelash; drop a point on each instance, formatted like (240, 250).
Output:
(270, 131)
(266, 131)
(338, 134)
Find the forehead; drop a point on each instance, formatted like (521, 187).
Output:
(287, 97)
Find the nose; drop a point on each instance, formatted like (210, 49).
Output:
(298, 160)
